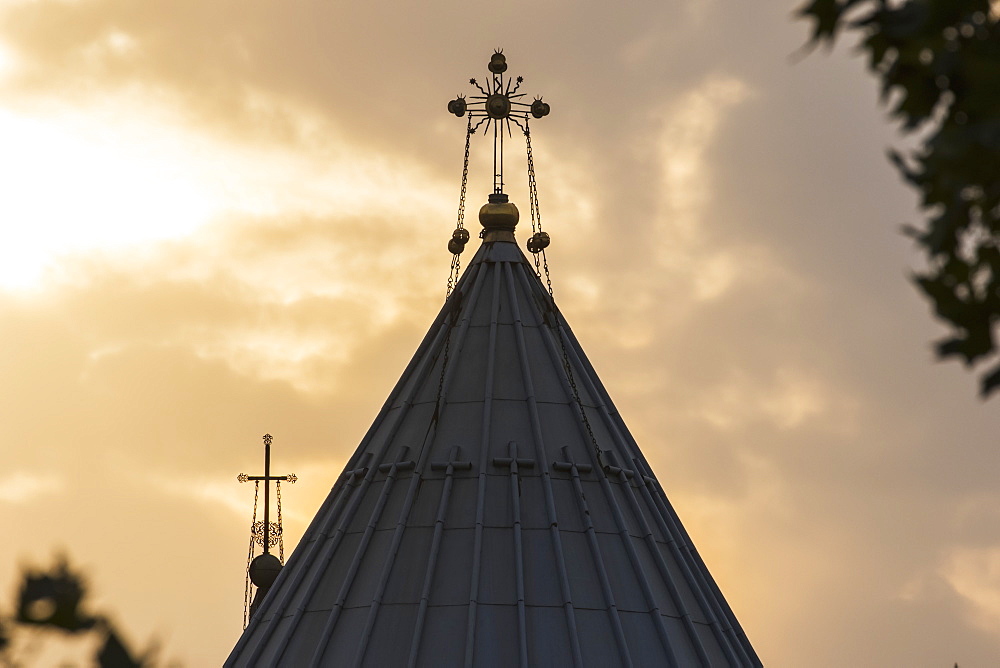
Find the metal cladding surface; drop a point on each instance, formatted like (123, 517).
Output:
(480, 523)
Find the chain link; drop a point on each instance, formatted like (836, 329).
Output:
(536, 213)
(548, 277)
(456, 265)
(576, 390)
(281, 528)
(535, 218)
(465, 173)
(456, 259)
(444, 363)
(536, 226)
(246, 589)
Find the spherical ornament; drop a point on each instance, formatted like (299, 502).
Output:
(499, 213)
(461, 235)
(538, 242)
(539, 108)
(264, 570)
(498, 63)
(457, 106)
(455, 246)
(498, 106)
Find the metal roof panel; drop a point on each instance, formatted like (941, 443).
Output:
(479, 519)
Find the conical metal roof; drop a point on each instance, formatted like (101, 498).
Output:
(484, 521)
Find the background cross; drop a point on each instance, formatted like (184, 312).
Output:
(267, 478)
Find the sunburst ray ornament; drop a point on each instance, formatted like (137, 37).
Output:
(499, 105)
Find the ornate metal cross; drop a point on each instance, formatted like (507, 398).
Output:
(499, 103)
(267, 478)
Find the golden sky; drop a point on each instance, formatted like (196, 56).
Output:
(227, 218)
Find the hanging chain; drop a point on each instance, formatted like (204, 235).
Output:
(456, 245)
(246, 589)
(456, 265)
(444, 364)
(465, 173)
(539, 239)
(460, 236)
(281, 527)
(576, 390)
(535, 217)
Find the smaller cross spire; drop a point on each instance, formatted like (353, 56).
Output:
(263, 569)
(267, 478)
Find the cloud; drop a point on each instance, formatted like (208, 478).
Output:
(789, 399)
(689, 126)
(252, 202)
(974, 573)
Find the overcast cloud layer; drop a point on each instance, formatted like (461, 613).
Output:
(226, 218)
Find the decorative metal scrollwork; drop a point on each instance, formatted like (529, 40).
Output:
(273, 535)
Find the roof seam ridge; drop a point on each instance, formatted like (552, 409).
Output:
(419, 377)
(703, 576)
(432, 557)
(447, 373)
(536, 428)
(626, 447)
(324, 551)
(419, 371)
(420, 356)
(548, 337)
(515, 490)
(595, 549)
(345, 587)
(484, 443)
(661, 566)
(332, 500)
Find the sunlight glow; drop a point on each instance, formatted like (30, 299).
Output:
(103, 178)
(21, 487)
(7, 61)
(68, 189)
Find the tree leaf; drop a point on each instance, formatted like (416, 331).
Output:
(990, 382)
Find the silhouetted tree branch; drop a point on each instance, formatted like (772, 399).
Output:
(53, 600)
(939, 66)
